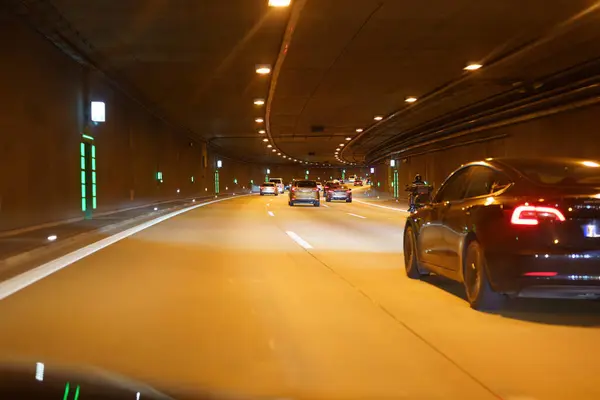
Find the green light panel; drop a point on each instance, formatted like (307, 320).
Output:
(93, 151)
(82, 162)
(66, 395)
(83, 204)
(83, 177)
(93, 164)
(192, 179)
(94, 190)
(94, 177)
(87, 137)
(82, 149)
(83, 191)
(94, 203)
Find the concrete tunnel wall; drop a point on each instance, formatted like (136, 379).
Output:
(42, 99)
(574, 133)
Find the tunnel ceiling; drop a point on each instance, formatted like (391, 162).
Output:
(343, 63)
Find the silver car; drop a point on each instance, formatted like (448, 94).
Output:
(269, 188)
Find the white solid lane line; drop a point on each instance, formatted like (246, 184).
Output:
(299, 240)
(380, 206)
(357, 216)
(325, 205)
(19, 282)
(271, 213)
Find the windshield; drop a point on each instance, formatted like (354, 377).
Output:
(268, 184)
(306, 184)
(560, 173)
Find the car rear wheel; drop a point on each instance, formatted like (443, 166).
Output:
(328, 200)
(348, 200)
(411, 263)
(317, 204)
(262, 194)
(276, 194)
(480, 294)
(291, 203)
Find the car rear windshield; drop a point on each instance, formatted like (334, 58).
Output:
(306, 184)
(275, 180)
(560, 173)
(268, 184)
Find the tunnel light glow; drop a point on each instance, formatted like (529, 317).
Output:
(372, 170)
(98, 111)
(473, 67)
(359, 130)
(378, 118)
(262, 131)
(265, 140)
(259, 120)
(591, 164)
(348, 138)
(39, 371)
(410, 99)
(273, 150)
(263, 69)
(259, 102)
(178, 191)
(269, 146)
(279, 3)
(338, 149)
(284, 156)
(155, 208)
(52, 238)
(341, 145)
(219, 163)
(278, 154)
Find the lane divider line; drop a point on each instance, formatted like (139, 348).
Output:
(380, 206)
(271, 213)
(325, 205)
(299, 240)
(19, 282)
(357, 216)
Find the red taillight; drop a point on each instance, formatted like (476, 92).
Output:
(541, 274)
(330, 191)
(316, 189)
(529, 215)
(294, 189)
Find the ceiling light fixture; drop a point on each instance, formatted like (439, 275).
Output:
(265, 140)
(338, 149)
(348, 138)
(473, 67)
(378, 118)
(359, 130)
(259, 120)
(410, 99)
(262, 131)
(278, 154)
(263, 69)
(259, 102)
(341, 145)
(279, 3)
(273, 150)
(269, 146)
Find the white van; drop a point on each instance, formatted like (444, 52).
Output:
(279, 183)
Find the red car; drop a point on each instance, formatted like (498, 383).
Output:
(358, 182)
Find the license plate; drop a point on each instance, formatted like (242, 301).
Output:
(591, 231)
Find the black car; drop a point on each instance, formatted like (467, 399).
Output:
(518, 227)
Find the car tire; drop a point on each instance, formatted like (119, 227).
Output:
(328, 200)
(348, 200)
(317, 204)
(262, 194)
(291, 203)
(480, 294)
(411, 262)
(276, 194)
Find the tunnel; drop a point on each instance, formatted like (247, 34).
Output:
(140, 234)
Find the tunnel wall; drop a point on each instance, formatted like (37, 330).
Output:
(43, 94)
(574, 133)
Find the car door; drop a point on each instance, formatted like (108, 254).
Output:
(461, 216)
(432, 244)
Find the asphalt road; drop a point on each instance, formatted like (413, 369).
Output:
(254, 297)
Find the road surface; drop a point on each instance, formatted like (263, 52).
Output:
(254, 297)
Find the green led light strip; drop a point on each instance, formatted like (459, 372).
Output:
(87, 166)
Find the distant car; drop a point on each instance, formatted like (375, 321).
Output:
(516, 227)
(338, 192)
(351, 178)
(268, 188)
(304, 191)
(358, 182)
(279, 183)
(320, 186)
